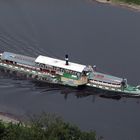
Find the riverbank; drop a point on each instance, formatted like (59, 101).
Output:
(120, 3)
(45, 127)
(7, 118)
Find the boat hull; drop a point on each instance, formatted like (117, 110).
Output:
(124, 92)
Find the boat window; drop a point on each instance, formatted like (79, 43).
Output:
(84, 73)
(53, 72)
(78, 74)
(11, 62)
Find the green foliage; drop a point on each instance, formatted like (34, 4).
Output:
(131, 1)
(44, 127)
(2, 130)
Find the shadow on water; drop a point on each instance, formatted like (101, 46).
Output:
(21, 80)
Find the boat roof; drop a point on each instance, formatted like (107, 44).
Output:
(106, 78)
(60, 63)
(18, 58)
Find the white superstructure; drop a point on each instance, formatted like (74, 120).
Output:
(60, 63)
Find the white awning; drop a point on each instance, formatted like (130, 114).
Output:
(59, 63)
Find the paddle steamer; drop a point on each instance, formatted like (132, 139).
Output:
(63, 72)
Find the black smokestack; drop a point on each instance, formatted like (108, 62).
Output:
(67, 59)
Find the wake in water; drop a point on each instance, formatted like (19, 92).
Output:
(19, 35)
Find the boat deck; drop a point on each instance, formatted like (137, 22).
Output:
(21, 59)
(129, 90)
(27, 70)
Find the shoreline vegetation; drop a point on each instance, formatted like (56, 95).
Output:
(42, 127)
(130, 4)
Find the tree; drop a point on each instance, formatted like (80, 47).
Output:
(43, 127)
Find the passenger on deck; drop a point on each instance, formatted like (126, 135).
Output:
(123, 84)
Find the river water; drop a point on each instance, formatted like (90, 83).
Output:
(90, 33)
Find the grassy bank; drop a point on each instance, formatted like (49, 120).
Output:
(137, 2)
(130, 4)
(44, 127)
